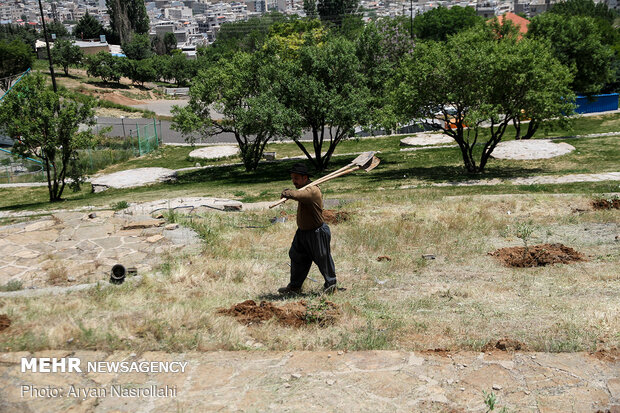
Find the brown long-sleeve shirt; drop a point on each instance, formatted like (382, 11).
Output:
(309, 207)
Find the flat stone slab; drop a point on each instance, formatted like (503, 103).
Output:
(132, 178)
(184, 205)
(322, 381)
(531, 149)
(424, 139)
(214, 152)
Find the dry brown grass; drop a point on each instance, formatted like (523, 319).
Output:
(463, 299)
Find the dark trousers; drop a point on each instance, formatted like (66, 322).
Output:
(308, 247)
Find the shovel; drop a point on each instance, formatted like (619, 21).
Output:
(366, 161)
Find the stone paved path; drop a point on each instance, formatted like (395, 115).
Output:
(368, 381)
(530, 180)
(72, 248)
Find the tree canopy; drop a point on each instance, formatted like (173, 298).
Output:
(15, 57)
(127, 17)
(138, 48)
(66, 54)
(474, 80)
(245, 90)
(88, 27)
(576, 42)
(441, 22)
(328, 91)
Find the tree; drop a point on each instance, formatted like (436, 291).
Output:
(584, 8)
(15, 57)
(445, 80)
(441, 22)
(245, 90)
(380, 48)
(325, 86)
(109, 68)
(10, 32)
(44, 125)
(88, 28)
(170, 42)
(577, 43)
(180, 68)
(247, 36)
(138, 48)
(127, 17)
(66, 54)
(310, 9)
(334, 11)
(165, 44)
(58, 29)
(140, 71)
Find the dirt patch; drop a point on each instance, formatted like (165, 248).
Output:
(5, 322)
(606, 204)
(294, 314)
(537, 255)
(505, 344)
(335, 217)
(607, 354)
(442, 352)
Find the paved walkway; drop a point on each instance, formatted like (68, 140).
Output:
(71, 248)
(327, 381)
(531, 180)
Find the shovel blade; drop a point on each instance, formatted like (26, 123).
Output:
(371, 164)
(363, 159)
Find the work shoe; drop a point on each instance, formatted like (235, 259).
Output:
(330, 288)
(288, 290)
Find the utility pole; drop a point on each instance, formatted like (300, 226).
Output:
(47, 44)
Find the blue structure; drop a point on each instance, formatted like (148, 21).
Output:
(596, 103)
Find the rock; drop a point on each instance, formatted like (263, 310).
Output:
(296, 376)
(197, 165)
(70, 340)
(145, 223)
(154, 238)
(287, 385)
(340, 353)
(158, 216)
(214, 152)
(70, 279)
(428, 256)
(171, 227)
(497, 387)
(92, 215)
(330, 382)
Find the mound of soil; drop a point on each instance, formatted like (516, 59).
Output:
(5, 322)
(335, 217)
(505, 344)
(608, 354)
(294, 314)
(537, 255)
(606, 204)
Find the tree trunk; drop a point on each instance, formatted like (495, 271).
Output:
(532, 127)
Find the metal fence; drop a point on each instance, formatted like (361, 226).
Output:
(140, 140)
(14, 169)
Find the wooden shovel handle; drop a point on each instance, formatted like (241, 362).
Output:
(335, 174)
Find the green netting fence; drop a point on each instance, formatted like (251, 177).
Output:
(141, 141)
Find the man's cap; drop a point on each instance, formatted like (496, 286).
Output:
(301, 169)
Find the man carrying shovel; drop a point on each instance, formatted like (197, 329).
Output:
(312, 239)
